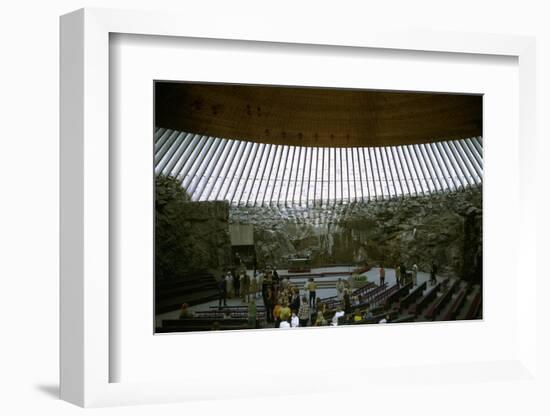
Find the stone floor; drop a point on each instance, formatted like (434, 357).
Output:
(372, 276)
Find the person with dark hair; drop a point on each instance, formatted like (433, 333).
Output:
(222, 292)
(294, 299)
(311, 287)
(403, 273)
(294, 320)
(382, 274)
(275, 280)
(245, 286)
(433, 273)
(269, 304)
(237, 284)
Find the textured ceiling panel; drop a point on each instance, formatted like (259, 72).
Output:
(316, 117)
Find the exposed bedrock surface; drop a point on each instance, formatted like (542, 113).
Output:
(445, 228)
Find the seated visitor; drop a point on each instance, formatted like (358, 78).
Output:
(320, 321)
(357, 317)
(294, 320)
(368, 313)
(303, 312)
(385, 320)
(184, 312)
(320, 307)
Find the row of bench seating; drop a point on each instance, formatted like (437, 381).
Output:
(201, 324)
(457, 304)
(414, 294)
(440, 303)
(192, 289)
(398, 294)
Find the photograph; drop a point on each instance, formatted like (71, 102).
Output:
(286, 207)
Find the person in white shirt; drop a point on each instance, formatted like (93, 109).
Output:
(284, 325)
(294, 321)
(229, 283)
(414, 273)
(339, 313)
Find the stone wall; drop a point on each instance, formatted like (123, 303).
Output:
(208, 243)
(445, 228)
(198, 238)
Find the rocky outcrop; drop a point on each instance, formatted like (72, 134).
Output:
(195, 237)
(445, 228)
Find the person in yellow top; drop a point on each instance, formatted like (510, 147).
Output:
(311, 287)
(276, 314)
(285, 312)
(357, 316)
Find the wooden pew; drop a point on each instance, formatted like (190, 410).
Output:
(473, 310)
(406, 318)
(457, 304)
(398, 294)
(201, 324)
(425, 300)
(439, 304)
(412, 296)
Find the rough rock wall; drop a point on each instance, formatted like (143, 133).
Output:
(445, 228)
(206, 230)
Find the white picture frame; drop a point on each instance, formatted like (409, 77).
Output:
(85, 352)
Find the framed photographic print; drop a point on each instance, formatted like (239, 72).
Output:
(228, 198)
(286, 207)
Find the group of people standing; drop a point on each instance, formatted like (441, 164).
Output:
(240, 284)
(402, 274)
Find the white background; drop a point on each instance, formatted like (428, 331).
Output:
(29, 209)
(137, 60)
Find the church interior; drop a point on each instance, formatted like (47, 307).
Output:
(283, 207)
